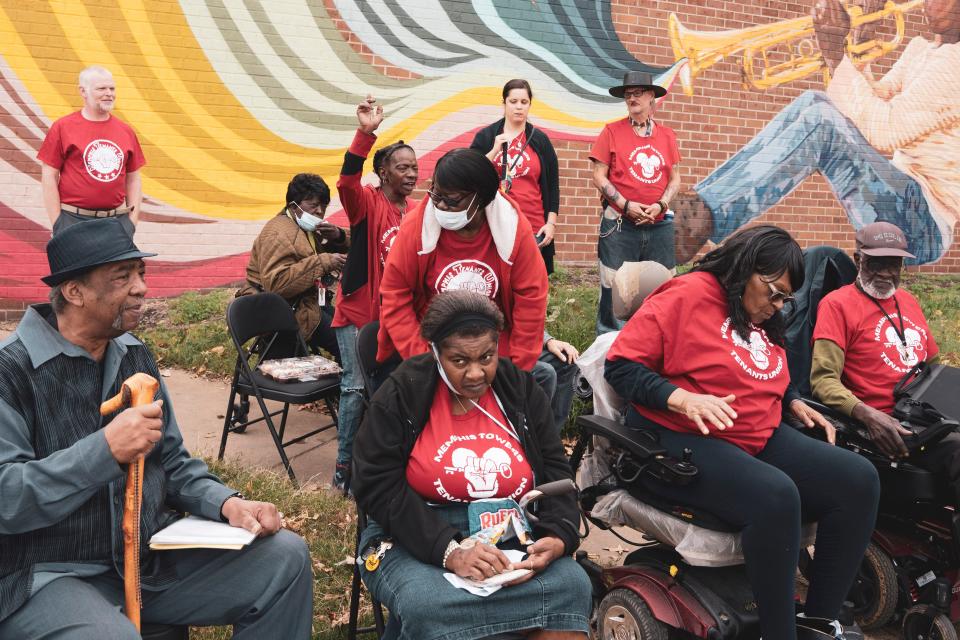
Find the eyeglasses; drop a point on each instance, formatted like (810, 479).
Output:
(882, 263)
(634, 93)
(449, 203)
(779, 296)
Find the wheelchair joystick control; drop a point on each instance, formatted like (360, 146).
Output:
(685, 466)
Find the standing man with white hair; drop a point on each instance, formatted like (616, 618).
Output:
(91, 160)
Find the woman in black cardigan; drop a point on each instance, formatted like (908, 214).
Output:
(531, 175)
(449, 442)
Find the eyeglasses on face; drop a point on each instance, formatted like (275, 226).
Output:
(634, 93)
(883, 263)
(777, 296)
(448, 202)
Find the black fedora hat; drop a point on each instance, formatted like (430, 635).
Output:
(641, 79)
(86, 245)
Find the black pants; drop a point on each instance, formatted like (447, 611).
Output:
(323, 337)
(794, 478)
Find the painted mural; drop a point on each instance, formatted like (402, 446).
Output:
(229, 99)
(888, 146)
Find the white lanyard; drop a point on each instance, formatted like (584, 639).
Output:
(508, 428)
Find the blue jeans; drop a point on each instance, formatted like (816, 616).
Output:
(563, 376)
(351, 390)
(810, 135)
(424, 605)
(632, 243)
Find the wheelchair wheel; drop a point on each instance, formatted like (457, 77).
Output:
(874, 592)
(924, 622)
(622, 615)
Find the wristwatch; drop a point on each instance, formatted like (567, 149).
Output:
(235, 494)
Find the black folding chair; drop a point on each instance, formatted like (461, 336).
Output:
(367, 359)
(263, 327)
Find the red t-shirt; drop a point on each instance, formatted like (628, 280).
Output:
(471, 264)
(525, 188)
(875, 358)
(683, 332)
(93, 159)
(467, 457)
(364, 202)
(639, 166)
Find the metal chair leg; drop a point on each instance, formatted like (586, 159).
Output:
(226, 423)
(276, 440)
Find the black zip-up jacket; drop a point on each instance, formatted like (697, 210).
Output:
(396, 417)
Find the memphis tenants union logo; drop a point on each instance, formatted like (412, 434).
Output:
(649, 162)
(470, 275)
(103, 160)
(757, 347)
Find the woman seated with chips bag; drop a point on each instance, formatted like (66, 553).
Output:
(452, 439)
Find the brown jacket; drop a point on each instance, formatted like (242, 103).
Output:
(282, 261)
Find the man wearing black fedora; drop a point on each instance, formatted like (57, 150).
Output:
(635, 168)
(62, 475)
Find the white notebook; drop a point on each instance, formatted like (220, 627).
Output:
(194, 532)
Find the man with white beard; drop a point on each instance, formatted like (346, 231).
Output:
(868, 335)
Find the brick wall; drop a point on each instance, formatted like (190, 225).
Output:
(718, 120)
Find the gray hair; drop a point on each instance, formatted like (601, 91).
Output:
(59, 301)
(87, 75)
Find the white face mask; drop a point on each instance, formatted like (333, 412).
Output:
(306, 221)
(454, 220)
(508, 428)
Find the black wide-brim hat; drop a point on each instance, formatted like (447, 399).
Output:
(86, 245)
(641, 79)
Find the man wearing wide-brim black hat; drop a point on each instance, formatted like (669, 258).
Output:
(635, 168)
(62, 475)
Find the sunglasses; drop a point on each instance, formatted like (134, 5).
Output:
(882, 263)
(779, 296)
(449, 203)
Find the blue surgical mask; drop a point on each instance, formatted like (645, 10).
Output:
(455, 220)
(306, 221)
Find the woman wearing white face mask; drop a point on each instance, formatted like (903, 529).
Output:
(297, 256)
(447, 446)
(464, 235)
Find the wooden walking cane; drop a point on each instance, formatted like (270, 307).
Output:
(137, 390)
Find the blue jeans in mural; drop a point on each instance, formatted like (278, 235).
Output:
(629, 243)
(810, 134)
(351, 388)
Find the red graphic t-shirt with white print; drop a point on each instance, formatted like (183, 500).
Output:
(640, 166)
(93, 159)
(525, 186)
(683, 332)
(467, 457)
(875, 357)
(461, 263)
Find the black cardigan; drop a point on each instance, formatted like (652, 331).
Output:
(541, 145)
(396, 417)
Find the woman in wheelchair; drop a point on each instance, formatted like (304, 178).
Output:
(702, 364)
(451, 438)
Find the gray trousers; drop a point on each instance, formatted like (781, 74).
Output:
(265, 591)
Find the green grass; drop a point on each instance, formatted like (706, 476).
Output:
(940, 298)
(191, 333)
(326, 521)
